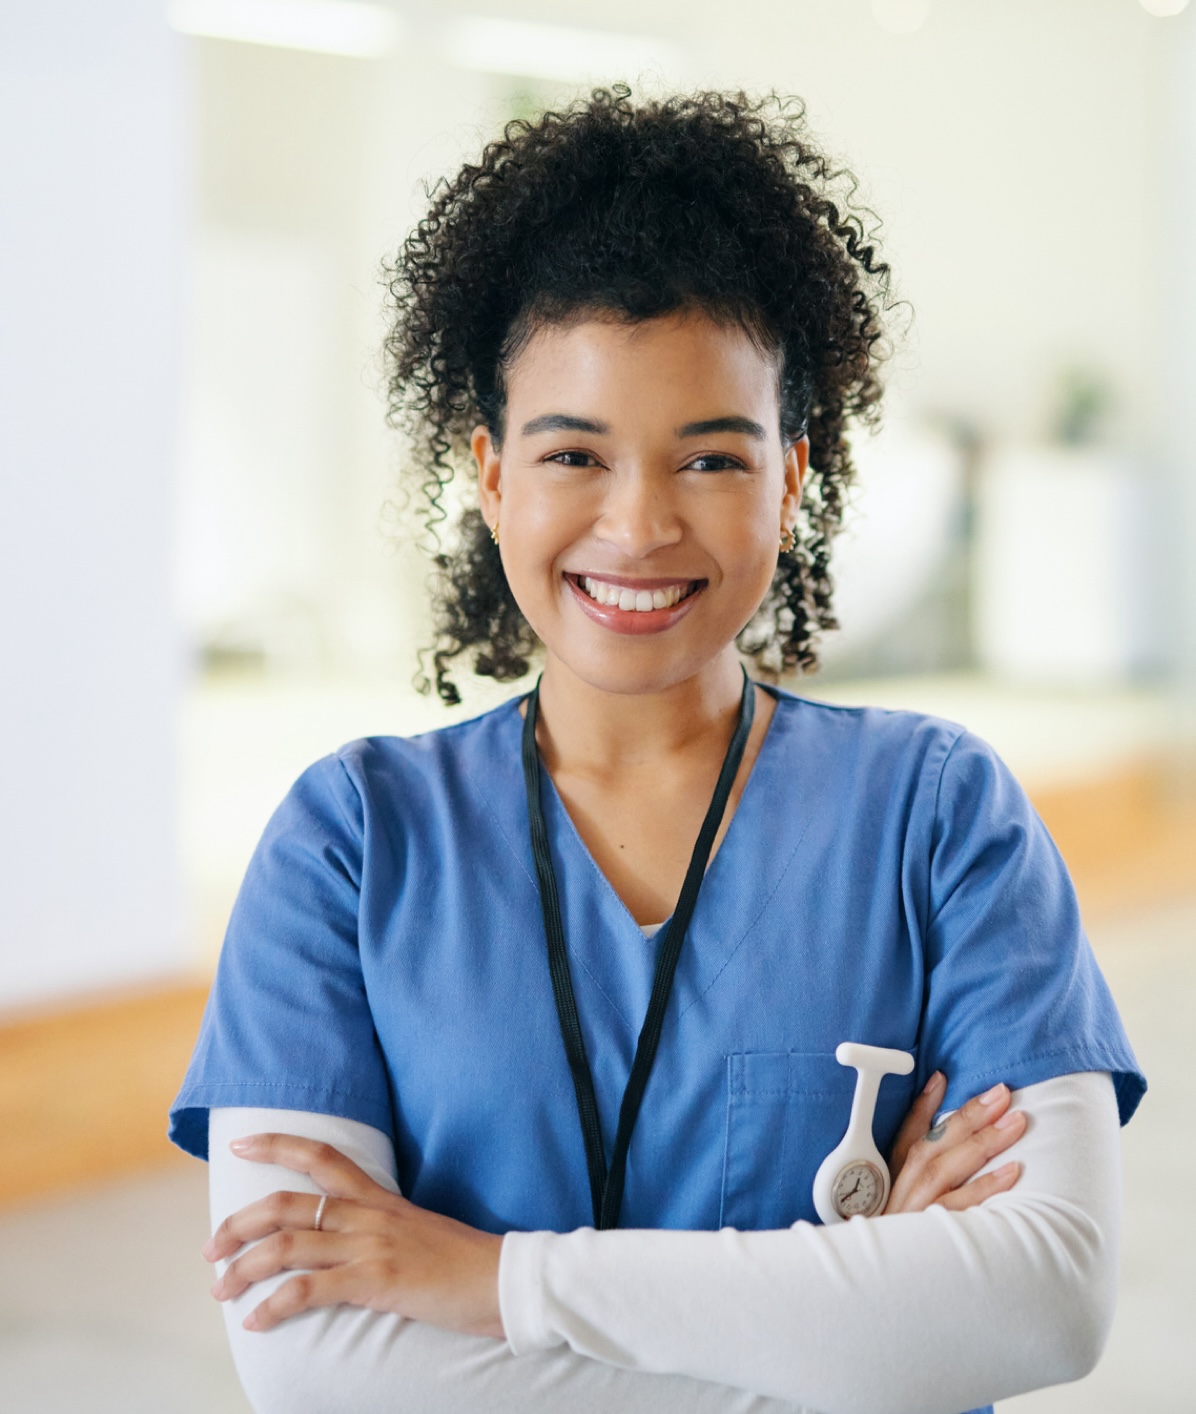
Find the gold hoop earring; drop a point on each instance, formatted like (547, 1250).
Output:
(788, 541)
(494, 532)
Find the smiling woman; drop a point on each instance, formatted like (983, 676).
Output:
(710, 204)
(589, 961)
(660, 479)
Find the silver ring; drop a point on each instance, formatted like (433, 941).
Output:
(315, 1227)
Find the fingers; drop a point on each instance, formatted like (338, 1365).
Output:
(972, 1194)
(301, 1293)
(335, 1174)
(284, 1252)
(970, 1119)
(380, 1252)
(928, 1164)
(917, 1121)
(338, 1176)
(944, 1166)
(278, 1211)
(979, 1111)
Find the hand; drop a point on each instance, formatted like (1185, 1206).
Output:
(939, 1164)
(374, 1248)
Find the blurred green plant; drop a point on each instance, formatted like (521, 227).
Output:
(1082, 403)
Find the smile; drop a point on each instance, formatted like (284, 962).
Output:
(635, 598)
(645, 606)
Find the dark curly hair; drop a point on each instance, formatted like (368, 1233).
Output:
(712, 201)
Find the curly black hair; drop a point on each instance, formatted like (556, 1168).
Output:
(637, 209)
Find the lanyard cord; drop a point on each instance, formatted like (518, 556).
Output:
(606, 1186)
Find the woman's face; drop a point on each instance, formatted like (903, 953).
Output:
(640, 494)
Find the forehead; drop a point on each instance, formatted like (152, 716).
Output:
(675, 362)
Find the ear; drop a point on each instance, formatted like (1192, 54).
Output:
(797, 461)
(486, 454)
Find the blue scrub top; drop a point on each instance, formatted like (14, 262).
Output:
(883, 880)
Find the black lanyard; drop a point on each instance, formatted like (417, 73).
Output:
(606, 1186)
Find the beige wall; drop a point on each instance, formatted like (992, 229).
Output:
(1015, 150)
(92, 244)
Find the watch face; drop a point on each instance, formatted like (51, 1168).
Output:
(859, 1190)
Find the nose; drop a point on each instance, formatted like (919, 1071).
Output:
(639, 514)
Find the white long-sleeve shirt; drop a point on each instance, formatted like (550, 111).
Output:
(923, 1313)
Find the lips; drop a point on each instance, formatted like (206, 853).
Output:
(634, 606)
(635, 598)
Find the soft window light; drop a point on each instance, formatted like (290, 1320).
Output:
(346, 27)
(900, 16)
(500, 46)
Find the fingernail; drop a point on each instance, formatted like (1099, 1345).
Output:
(1009, 1119)
(207, 1252)
(935, 1080)
(240, 1146)
(216, 1289)
(1006, 1171)
(990, 1097)
(250, 1321)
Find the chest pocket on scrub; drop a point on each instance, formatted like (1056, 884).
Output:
(786, 1110)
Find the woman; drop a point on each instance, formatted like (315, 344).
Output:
(649, 325)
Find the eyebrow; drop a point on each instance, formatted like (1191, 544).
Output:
(744, 425)
(566, 422)
(563, 422)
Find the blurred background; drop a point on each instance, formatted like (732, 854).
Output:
(205, 582)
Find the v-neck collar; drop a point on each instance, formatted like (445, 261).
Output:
(582, 848)
(604, 940)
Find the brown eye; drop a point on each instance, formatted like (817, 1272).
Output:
(573, 458)
(714, 461)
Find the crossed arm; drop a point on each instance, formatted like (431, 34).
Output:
(912, 1313)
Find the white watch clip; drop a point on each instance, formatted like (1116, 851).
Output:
(853, 1179)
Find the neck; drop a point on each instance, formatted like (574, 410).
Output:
(587, 729)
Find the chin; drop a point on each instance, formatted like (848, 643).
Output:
(636, 667)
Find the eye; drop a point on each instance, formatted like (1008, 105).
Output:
(715, 461)
(573, 457)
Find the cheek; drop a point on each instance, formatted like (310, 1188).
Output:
(540, 534)
(749, 543)
(539, 528)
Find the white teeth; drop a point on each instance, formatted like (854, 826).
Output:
(640, 601)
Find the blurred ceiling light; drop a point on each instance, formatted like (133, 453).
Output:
(554, 51)
(1163, 7)
(347, 27)
(901, 16)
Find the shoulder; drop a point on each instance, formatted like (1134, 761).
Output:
(460, 746)
(388, 774)
(392, 789)
(872, 734)
(919, 765)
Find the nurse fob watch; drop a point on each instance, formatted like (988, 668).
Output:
(853, 1179)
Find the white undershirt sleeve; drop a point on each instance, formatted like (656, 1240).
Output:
(926, 1313)
(344, 1360)
(922, 1313)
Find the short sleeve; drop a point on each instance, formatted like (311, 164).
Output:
(288, 1023)
(1014, 992)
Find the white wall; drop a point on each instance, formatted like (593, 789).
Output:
(308, 166)
(91, 246)
(1179, 380)
(1015, 149)
(1012, 149)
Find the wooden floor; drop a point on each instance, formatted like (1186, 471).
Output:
(1129, 841)
(84, 1091)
